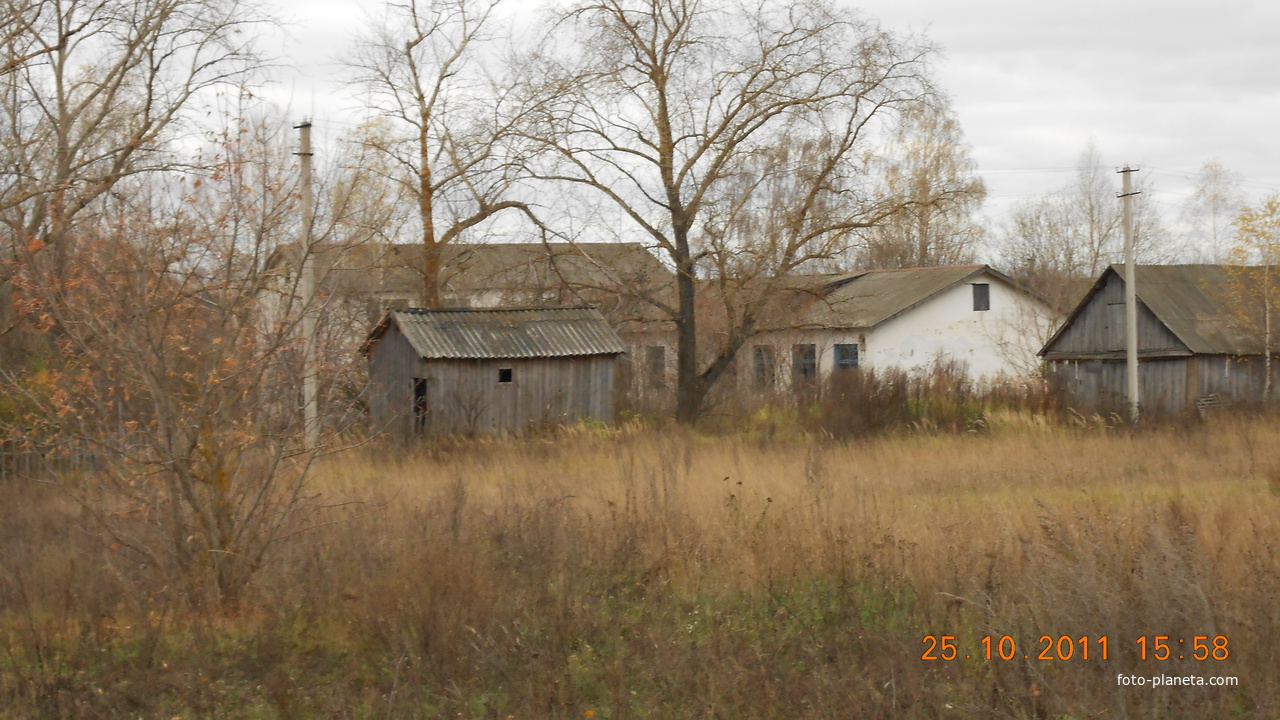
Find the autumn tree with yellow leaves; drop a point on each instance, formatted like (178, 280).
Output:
(1258, 244)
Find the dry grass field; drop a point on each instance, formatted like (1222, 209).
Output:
(660, 574)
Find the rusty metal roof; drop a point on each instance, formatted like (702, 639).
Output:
(502, 333)
(867, 299)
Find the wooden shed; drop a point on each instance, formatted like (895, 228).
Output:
(1200, 339)
(490, 370)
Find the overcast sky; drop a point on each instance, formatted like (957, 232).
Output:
(1164, 86)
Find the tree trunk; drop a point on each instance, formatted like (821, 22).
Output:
(431, 252)
(1266, 333)
(689, 388)
(922, 221)
(426, 210)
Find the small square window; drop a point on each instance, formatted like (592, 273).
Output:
(504, 375)
(846, 356)
(981, 297)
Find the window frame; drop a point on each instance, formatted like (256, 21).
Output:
(655, 362)
(849, 362)
(981, 297)
(764, 366)
(804, 363)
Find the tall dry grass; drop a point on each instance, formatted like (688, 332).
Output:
(655, 574)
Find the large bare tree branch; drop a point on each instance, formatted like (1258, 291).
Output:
(421, 63)
(671, 110)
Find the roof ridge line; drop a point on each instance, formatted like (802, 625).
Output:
(424, 311)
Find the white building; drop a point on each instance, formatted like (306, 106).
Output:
(908, 319)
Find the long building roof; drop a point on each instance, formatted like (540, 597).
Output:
(502, 333)
(864, 300)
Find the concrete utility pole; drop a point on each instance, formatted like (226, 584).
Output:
(1130, 298)
(310, 391)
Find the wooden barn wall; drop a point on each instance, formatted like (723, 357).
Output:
(1241, 379)
(1100, 325)
(464, 396)
(392, 366)
(1167, 385)
(1094, 385)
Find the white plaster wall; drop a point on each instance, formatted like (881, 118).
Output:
(1001, 341)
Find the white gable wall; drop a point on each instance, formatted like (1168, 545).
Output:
(1000, 341)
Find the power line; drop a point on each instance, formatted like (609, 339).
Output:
(1025, 171)
(1189, 176)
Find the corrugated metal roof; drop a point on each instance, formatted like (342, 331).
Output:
(503, 332)
(868, 299)
(1211, 308)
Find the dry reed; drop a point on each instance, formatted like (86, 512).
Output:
(613, 574)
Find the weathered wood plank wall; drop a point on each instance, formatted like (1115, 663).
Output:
(466, 396)
(1103, 385)
(1167, 385)
(1100, 326)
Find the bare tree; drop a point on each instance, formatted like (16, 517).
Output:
(20, 42)
(1212, 209)
(175, 366)
(1058, 244)
(91, 92)
(421, 64)
(375, 206)
(928, 168)
(686, 116)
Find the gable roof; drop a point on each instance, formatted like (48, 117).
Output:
(502, 333)
(1205, 306)
(867, 299)
(622, 279)
(524, 263)
(468, 268)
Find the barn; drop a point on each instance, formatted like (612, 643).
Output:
(1200, 339)
(479, 371)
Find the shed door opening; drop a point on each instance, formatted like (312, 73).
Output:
(419, 403)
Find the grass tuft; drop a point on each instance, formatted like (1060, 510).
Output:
(630, 573)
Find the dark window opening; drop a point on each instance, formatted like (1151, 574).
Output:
(981, 296)
(419, 403)
(764, 366)
(804, 363)
(505, 375)
(846, 356)
(656, 356)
